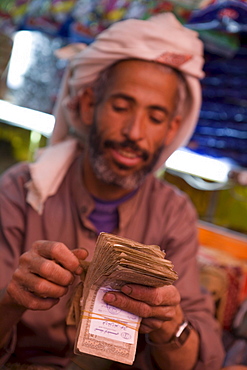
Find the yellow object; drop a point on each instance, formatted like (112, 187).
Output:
(115, 15)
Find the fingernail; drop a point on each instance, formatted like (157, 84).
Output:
(126, 289)
(110, 297)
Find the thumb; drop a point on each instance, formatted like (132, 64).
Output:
(81, 253)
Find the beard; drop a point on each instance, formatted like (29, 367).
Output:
(103, 170)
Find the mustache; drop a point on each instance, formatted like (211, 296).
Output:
(130, 145)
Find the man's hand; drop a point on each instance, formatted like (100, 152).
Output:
(161, 315)
(44, 275)
(158, 307)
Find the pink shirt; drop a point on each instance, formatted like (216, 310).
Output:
(157, 214)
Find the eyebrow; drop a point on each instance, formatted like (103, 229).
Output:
(132, 100)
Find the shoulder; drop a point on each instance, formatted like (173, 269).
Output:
(172, 214)
(13, 180)
(165, 196)
(16, 173)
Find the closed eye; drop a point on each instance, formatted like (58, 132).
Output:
(118, 108)
(158, 114)
(157, 117)
(120, 103)
(122, 106)
(156, 120)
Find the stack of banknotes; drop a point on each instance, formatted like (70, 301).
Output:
(105, 331)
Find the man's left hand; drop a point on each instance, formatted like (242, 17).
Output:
(159, 307)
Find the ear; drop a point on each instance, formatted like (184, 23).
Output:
(172, 130)
(87, 106)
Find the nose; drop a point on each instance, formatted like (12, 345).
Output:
(134, 127)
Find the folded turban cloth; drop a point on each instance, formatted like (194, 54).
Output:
(161, 38)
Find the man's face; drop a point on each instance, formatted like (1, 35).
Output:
(132, 123)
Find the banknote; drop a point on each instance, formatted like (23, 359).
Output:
(104, 330)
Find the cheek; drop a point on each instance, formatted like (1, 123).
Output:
(109, 128)
(156, 138)
(104, 127)
(108, 132)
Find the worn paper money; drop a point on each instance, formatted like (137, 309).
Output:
(104, 330)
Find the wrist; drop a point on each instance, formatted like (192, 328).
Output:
(9, 302)
(178, 338)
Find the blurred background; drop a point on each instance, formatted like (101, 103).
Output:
(212, 169)
(213, 166)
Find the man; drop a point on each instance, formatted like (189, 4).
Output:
(130, 99)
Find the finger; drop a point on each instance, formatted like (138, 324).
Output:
(39, 286)
(29, 300)
(150, 324)
(81, 254)
(32, 263)
(146, 328)
(128, 304)
(166, 295)
(142, 309)
(58, 252)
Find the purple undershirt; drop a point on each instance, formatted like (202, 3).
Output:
(105, 216)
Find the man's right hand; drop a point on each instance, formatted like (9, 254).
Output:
(44, 275)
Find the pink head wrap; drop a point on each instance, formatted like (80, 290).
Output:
(161, 38)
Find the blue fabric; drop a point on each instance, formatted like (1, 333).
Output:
(105, 215)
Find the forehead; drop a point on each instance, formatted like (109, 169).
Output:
(142, 79)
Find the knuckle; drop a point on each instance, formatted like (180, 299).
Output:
(39, 304)
(35, 244)
(145, 329)
(145, 311)
(41, 287)
(46, 268)
(66, 278)
(158, 299)
(170, 313)
(34, 304)
(152, 323)
(157, 325)
(12, 289)
(17, 274)
(19, 278)
(56, 248)
(24, 258)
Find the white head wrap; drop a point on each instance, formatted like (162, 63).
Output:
(161, 38)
